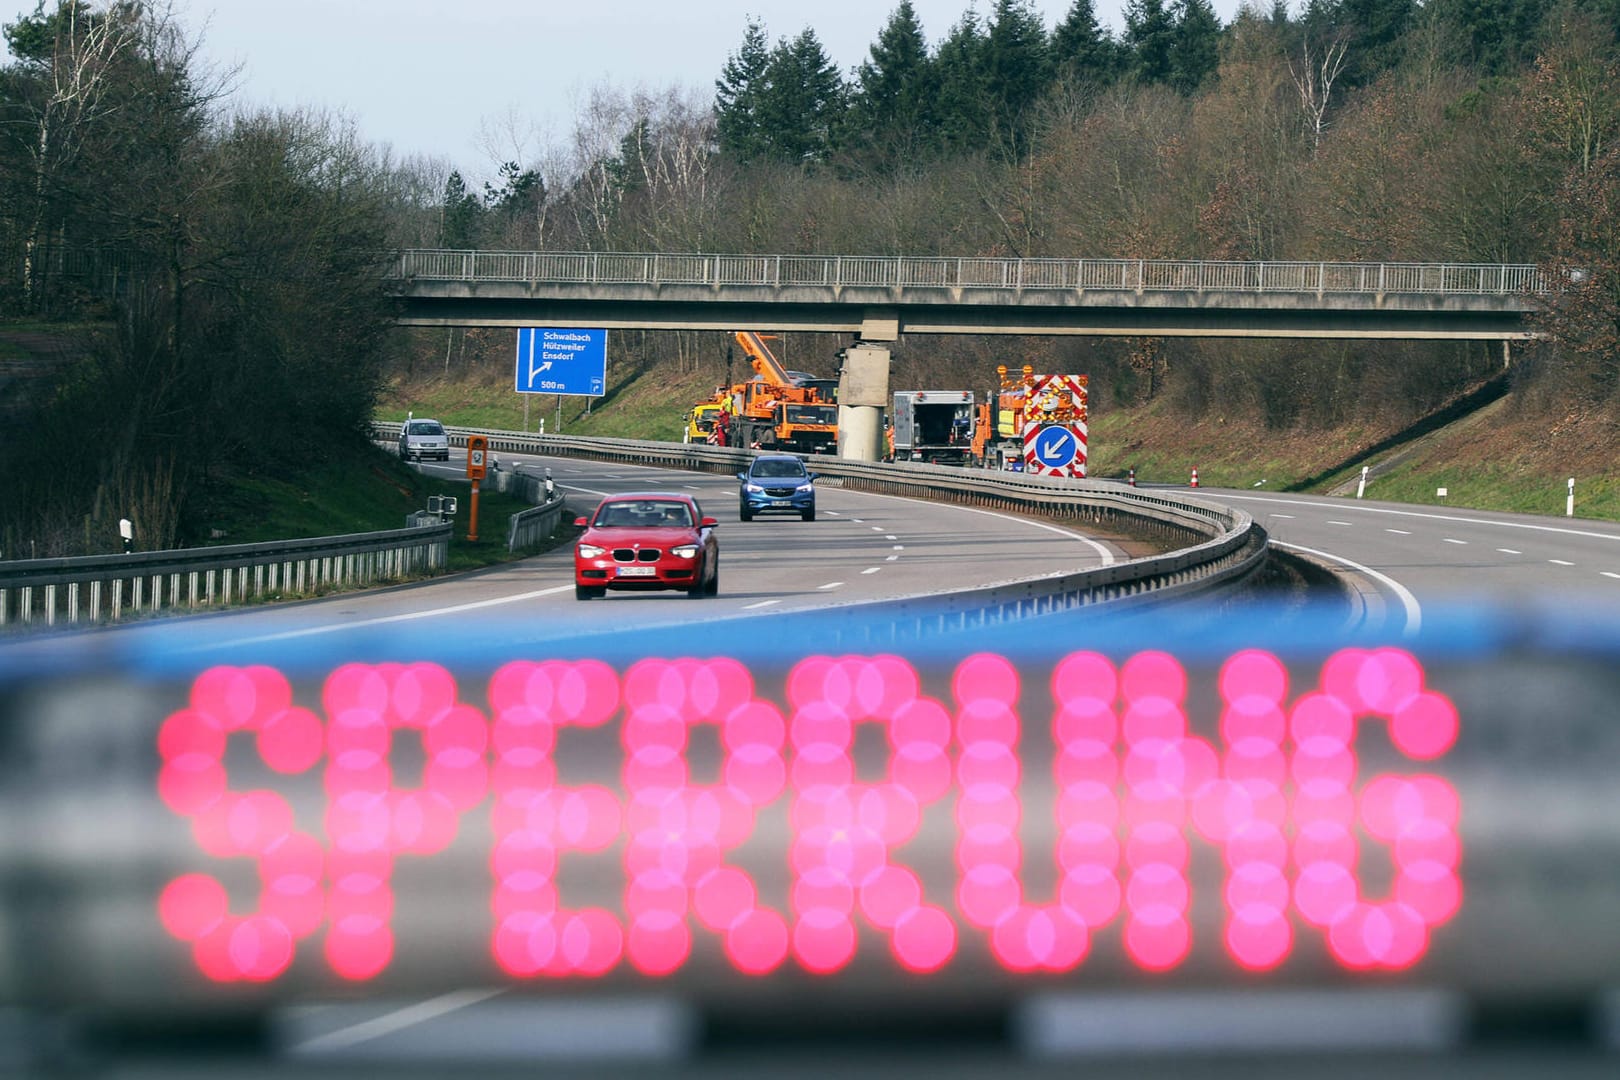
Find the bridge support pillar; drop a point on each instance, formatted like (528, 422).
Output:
(863, 392)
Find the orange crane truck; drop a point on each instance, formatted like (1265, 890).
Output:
(780, 409)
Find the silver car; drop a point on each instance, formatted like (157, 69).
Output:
(422, 439)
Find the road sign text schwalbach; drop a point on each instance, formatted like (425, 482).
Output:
(552, 360)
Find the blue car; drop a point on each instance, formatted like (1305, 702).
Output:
(777, 484)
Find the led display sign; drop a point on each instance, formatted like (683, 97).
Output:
(916, 852)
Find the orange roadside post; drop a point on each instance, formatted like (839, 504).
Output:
(477, 456)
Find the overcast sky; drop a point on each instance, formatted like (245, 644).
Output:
(423, 75)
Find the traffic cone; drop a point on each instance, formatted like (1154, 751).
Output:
(1194, 478)
(1131, 480)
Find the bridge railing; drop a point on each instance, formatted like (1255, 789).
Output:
(862, 271)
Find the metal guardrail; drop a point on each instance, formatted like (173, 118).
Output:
(902, 272)
(526, 528)
(1224, 543)
(97, 588)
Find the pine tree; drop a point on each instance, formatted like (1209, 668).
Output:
(459, 212)
(1497, 35)
(803, 102)
(1150, 37)
(963, 104)
(1015, 64)
(897, 84)
(1378, 27)
(737, 95)
(1081, 49)
(1195, 52)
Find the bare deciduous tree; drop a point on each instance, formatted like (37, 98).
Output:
(1315, 70)
(77, 53)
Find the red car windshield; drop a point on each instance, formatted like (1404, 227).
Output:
(644, 514)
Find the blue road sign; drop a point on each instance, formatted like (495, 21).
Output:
(553, 360)
(1055, 447)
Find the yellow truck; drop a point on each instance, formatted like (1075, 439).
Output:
(700, 420)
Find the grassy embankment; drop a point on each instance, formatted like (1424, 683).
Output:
(649, 406)
(363, 490)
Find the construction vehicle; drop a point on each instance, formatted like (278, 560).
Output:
(935, 426)
(1000, 421)
(700, 420)
(780, 409)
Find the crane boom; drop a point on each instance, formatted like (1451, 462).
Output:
(765, 363)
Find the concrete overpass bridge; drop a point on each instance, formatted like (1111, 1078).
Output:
(878, 298)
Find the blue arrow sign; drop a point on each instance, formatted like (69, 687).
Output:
(1055, 447)
(553, 360)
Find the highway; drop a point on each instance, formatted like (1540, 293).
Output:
(861, 547)
(1421, 557)
(1422, 570)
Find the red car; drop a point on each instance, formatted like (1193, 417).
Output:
(648, 540)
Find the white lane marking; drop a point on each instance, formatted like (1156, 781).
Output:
(1611, 573)
(1427, 516)
(871, 569)
(1449, 540)
(1509, 551)
(586, 490)
(858, 521)
(878, 528)
(1338, 523)
(397, 1020)
(1560, 562)
(892, 558)
(830, 585)
(832, 513)
(1290, 517)
(891, 536)
(1398, 532)
(899, 547)
(408, 616)
(1414, 613)
(762, 603)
